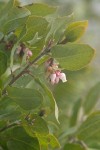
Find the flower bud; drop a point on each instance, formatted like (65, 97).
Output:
(29, 53)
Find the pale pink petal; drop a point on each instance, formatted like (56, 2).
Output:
(29, 53)
(58, 73)
(63, 77)
(57, 80)
(53, 78)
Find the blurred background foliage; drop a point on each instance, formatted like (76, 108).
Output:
(79, 82)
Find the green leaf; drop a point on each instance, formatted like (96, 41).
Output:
(48, 93)
(4, 12)
(38, 9)
(16, 17)
(27, 99)
(21, 35)
(47, 141)
(92, 98)
(75, 30)
(57, 27)
(8, 110)
(3, 63)
(22, 81)
(53, 141)
(36, 126)
(14, 24)
(17, 13)
(20, 140)
(73, 56)
(90, 128)
(71, 146)
(75, 112)
(35, 25)
(21, 145)
(34, 40)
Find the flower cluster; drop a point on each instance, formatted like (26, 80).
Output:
(53, 72)
(21, 50)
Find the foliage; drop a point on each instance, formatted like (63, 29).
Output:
(34, 42)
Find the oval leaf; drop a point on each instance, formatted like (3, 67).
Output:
(74, 31)
(27, 99)
(73, 56)
(36, 126)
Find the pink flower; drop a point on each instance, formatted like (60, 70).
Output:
(29, 53)
(63, 77)
(21, 50)
(55, 77)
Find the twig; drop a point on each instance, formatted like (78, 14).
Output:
(44, 52)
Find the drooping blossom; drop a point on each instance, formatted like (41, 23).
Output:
(29, 53)
(54, 73)
(57, 76)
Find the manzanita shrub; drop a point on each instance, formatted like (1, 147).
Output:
(36, 47)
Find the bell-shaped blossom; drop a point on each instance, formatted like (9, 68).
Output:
(63, 77)
(29, 53)
(55, 77)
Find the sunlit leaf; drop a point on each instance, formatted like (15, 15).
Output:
(74, 31)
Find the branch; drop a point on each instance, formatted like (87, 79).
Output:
(45, 51)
